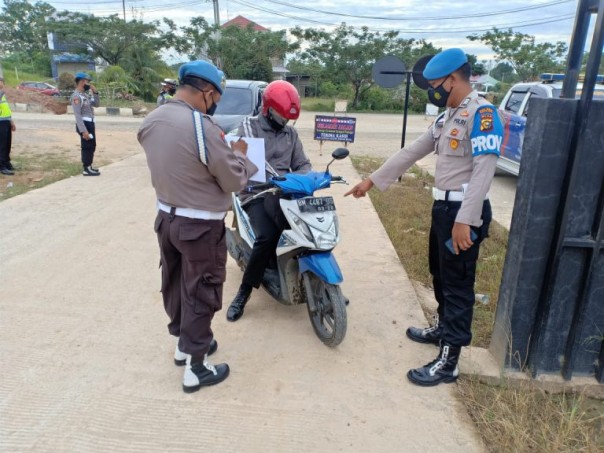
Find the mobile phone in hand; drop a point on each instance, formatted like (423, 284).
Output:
(449, 243)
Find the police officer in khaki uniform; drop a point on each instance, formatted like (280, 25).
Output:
(83, 100)
(466, 138)
(193, 171)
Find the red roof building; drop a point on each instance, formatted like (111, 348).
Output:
(242, 22)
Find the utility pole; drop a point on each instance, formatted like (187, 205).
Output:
(218, 61)
(124, 8)
(216, 13)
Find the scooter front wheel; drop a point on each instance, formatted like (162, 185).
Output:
(326, 308)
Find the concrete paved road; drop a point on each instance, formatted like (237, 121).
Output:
(87, 363)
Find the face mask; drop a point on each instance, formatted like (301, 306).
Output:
(86, 87)
(212, 109)
(276, 122)
(172, 91)
(439, 96)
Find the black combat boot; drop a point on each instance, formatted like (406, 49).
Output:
(201, 373)
(235, 310)
(442, 369)
(427, 335)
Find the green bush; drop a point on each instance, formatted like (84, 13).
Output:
(66, 81)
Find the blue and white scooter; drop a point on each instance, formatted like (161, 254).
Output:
(307, 271)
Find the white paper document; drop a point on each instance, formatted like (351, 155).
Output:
(255, 153)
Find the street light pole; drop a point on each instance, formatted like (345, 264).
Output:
(124, 8)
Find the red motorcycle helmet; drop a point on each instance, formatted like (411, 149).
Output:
(282, 98)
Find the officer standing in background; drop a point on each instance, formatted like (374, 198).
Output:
(7, 127)
(193, 171)
(83, 99)
(168, 89)
(284, 153)
(467, 139)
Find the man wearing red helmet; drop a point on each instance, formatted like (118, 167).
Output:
(284, 154)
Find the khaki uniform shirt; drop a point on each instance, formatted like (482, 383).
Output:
(191, 164)
(83, 104)
(467, 140)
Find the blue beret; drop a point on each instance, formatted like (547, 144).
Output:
(82, 75)
(205, 71)
(445, 63)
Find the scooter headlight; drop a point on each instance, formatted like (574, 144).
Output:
(326, 240)
(303, 226)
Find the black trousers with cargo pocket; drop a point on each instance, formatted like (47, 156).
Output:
(193, 263)
(453, 276)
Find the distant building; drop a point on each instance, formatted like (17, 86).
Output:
(243, 22)
(483, 83)
(279, 70)
(302, 83)
(63, 60)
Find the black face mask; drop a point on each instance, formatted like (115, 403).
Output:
(276, 123)
(212, 109)
(439, 96)
(172, 91)
(86, 87)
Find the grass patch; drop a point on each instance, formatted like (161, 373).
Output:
(318, 104)
(523, 418)
(35, 171)
(404, 210)
(509, 418)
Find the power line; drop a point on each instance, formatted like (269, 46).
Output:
(522, 24)
(424, 18)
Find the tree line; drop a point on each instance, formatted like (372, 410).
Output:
(339, 62)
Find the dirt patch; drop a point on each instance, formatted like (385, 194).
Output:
(56, 105)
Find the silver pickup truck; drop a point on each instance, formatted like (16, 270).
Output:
(515, 107)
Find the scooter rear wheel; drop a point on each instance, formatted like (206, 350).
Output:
(328, 318)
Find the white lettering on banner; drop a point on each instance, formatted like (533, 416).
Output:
(486, 143)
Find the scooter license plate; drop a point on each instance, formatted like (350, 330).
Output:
(318, 204)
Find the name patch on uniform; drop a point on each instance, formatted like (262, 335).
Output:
(487, 133)
(460, 121)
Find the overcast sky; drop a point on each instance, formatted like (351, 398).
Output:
(444, 23)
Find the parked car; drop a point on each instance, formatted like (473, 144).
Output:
(515, 107)
(241, 98)
(40, 87)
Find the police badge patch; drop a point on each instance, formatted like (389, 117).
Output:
(486, 119)
(487, 133)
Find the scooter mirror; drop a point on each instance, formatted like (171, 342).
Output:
(340, 153)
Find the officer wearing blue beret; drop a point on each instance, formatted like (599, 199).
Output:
(193, 171)
(467, 138)
(83, 100)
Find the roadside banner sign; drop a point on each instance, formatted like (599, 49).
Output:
(335, 128)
